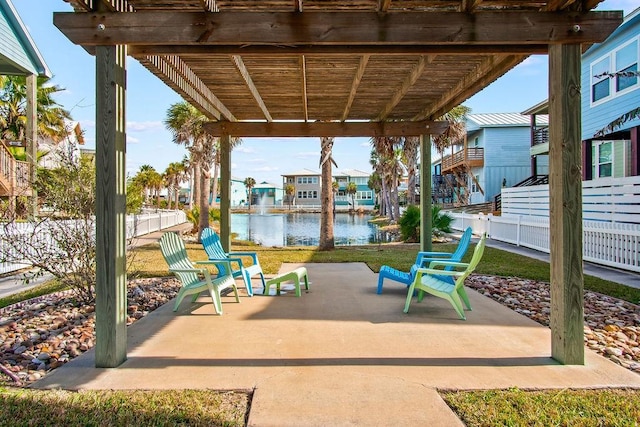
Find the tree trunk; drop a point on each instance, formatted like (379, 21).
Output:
(326, 197)
(214, 185)
(197, 179)
(203, 203)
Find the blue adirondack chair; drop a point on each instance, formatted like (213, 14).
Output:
(195, 280)
(430, 280)
(215, 252)
(422, 259)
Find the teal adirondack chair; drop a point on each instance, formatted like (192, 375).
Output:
(424, 258)
(215, 252)
(195, 280)
(428, 280)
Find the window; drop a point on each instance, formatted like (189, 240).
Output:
(474, 184)
(627, 61)
(603, 156)
(307, 180)
(624, 59)
(364, 195)
(599, 83)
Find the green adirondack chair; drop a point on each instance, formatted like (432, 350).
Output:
(195, 280)
(426, 280)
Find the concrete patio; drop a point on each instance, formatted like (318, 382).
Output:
(340, 355)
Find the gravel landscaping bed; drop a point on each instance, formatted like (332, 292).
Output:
(41, 334)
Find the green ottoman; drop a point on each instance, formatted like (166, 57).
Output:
(296, 276)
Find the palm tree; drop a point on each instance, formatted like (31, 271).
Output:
(410, 158)
(289, 190)
(144, 179)
(455, 132)
(352, 189)
(186, 125)
(326, 207)
(385, 159)
(173, 176)
(13, 116)
(249, 183)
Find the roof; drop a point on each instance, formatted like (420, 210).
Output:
(332, 60)
(353, 173)
(498, 120)
(18, 53)
(302, 172)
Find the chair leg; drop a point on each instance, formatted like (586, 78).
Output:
(380, 281)
(409, 296)
(465, 298)
(179, 299)
(247, 282)
(454, 299)
(235, 291)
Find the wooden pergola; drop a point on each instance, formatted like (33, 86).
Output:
(335, 68)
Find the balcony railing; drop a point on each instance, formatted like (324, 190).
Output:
(470, 157)
(540, 136)
(14, 175)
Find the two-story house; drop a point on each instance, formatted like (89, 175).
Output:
(363, 197)
(495, 154)
(610, 89)
(307, 184)
(266, 194)
(19, 56)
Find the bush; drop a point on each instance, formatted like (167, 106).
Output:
(410, 223)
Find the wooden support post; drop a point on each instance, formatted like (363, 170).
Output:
(225, 192)
(111, 280)
(565, 199)
(32, 140)
(425, 193)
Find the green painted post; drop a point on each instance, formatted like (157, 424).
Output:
(111, 280)
(425, 193)
(225, 192)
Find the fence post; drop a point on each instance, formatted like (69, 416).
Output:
(518, 230)
(489, 218)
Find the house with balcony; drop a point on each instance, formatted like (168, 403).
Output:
(363, 198)
(307, 184)
(19, 56)
(610, 134)
(610, 90)
(495, 153)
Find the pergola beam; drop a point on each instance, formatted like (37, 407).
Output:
(362, 66)
(321, 51)
(336, 28)
(318, 129)
(409, 81)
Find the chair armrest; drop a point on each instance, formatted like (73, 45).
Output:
(253, 255)
(214, 260)
(440, 254)
(438, 263)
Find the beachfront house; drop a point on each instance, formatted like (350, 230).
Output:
(266, 194)
(363, 198)
(495, 154)
(307, 184)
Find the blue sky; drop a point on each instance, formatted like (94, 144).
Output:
(148, 99)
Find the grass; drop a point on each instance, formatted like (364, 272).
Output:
(476, 408)
(514, 407)
(20, 407)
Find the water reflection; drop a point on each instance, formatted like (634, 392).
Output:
(303, 229)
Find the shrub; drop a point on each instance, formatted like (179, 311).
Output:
(410, 222)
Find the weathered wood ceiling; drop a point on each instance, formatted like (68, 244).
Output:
(332, 60)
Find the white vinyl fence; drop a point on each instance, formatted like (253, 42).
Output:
(606, 243)
(137, 225)
(604, 199)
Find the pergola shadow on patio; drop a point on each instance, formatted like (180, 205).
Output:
(340, 353)
(335, 68)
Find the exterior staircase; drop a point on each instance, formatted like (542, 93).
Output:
(14, 175)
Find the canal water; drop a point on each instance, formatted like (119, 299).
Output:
(303, 229)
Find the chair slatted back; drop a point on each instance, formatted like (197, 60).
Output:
(175, 254)
(213, 247)
(463, 245)
(475, 260)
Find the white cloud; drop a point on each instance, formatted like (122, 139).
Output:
(132, 139)
(243, 149)
(144, 126)
(267, 169)
(307, 154)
